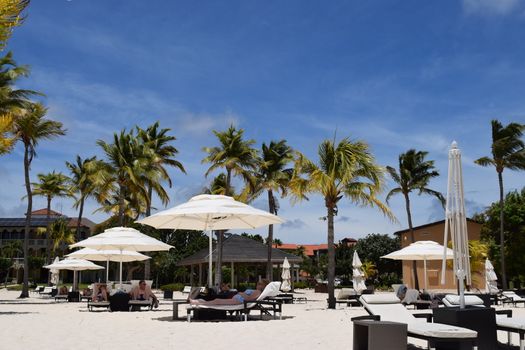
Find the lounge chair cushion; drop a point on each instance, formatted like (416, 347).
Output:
(513, 296)
(453, 300)
(439, 330)
(345, 293)
(510, 322)
(380, 298)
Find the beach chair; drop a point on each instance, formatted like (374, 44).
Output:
(510, 297)
(504, 320)
(387, 307)
(49, 292)
(347, 296)
(187, 290)
(262, 305)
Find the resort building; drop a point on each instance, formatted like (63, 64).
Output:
(13, 229)
(435, 232)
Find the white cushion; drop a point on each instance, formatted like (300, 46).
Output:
(453, 300)
(512, 295)
(440, 330)
(510, 322)
(345, 293)
(389, 298)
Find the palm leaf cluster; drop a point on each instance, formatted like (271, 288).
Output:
(10, 17)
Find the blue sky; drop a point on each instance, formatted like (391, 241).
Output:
(397, 74)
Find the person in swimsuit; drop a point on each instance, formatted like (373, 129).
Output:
(100, 293)
(143, 292)
(239, 298)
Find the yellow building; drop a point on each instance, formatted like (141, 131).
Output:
(434, 232)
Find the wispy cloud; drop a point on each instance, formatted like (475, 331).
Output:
(490, 7)
(294, 224)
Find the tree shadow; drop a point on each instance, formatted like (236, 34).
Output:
(2, 313)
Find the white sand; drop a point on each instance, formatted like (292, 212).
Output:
(38, 323)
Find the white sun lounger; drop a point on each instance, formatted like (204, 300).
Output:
(504, 320)
(510, 297)
(271, 290)
(387, 307)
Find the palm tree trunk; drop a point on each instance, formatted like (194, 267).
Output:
(80, 212)
(331, 258)
(220, 237)
(121, 206)
(502, 232)
(48, 243)
(269, 240)
(147, 263)
(412, 239)
(27, 163)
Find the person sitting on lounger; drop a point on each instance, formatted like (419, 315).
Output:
(239, 298)
(62, 290)
(100, 293)
(143, 292)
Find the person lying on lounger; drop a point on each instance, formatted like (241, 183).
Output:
(239, 298)
(100, 293)
(143, 292)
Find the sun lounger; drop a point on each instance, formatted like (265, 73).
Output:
(347, 296)
(60, 297)
(264, 306)
(387, 307)
(49, 292)
(504, 320)
(510, 297)
(187, 290)
(98, 304)
(137, 305)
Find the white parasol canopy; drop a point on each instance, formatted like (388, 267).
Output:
(491, 285)
(122, 239)
(285, 275)
(73, 265)
(456, 223)
(107, 256)
(211, 212)
(421, 250)
(358, 276)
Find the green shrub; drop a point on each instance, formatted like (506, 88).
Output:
(243, 286)
(174, 287)
(301, 285)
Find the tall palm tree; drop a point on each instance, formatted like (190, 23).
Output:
(86, 174)
(346, 169)
(11, 99)
(272, 176)
(61, 234)
(10, 17)
(31, 128)
(414, 174)
(508, 152)
(161, 154)
(125, 164)
(237, 157)
(51, 185)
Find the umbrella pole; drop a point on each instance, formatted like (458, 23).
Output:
(74, 280)
(210, 270)
(107, 270)
(425, 271)
(120, 279)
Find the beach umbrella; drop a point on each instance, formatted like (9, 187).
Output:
(456, 223)
(207, 212)
(55, 273)
(358, 276)
(421, 250)
(107, 256)
(122, 239)
(285, 275)
(73, 265)
(491, 285)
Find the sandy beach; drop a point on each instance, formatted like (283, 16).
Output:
(40, 323)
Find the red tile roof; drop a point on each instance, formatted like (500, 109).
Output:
(44, 212)
(309, 249)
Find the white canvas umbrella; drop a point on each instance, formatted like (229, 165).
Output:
(107, 256)
(122, 239)
(358, 276)
(54, 273)
(421, 250)
(285, 275)
(456, 223)
(73, 265)
(211, 212)
(491, 285)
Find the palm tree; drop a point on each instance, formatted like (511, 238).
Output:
(51, 185)
(237, 157)
(31, 128)
(508, 152)
(272, 176)
(414, 175)
(347, 169)
(161, 153)
(10, 17)
(11, 100)
(125, 165)
(61, 234)
(86, 174)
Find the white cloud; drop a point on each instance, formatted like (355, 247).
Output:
(490, 7)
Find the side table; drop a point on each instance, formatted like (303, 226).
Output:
(176, 303)
(379, 335)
